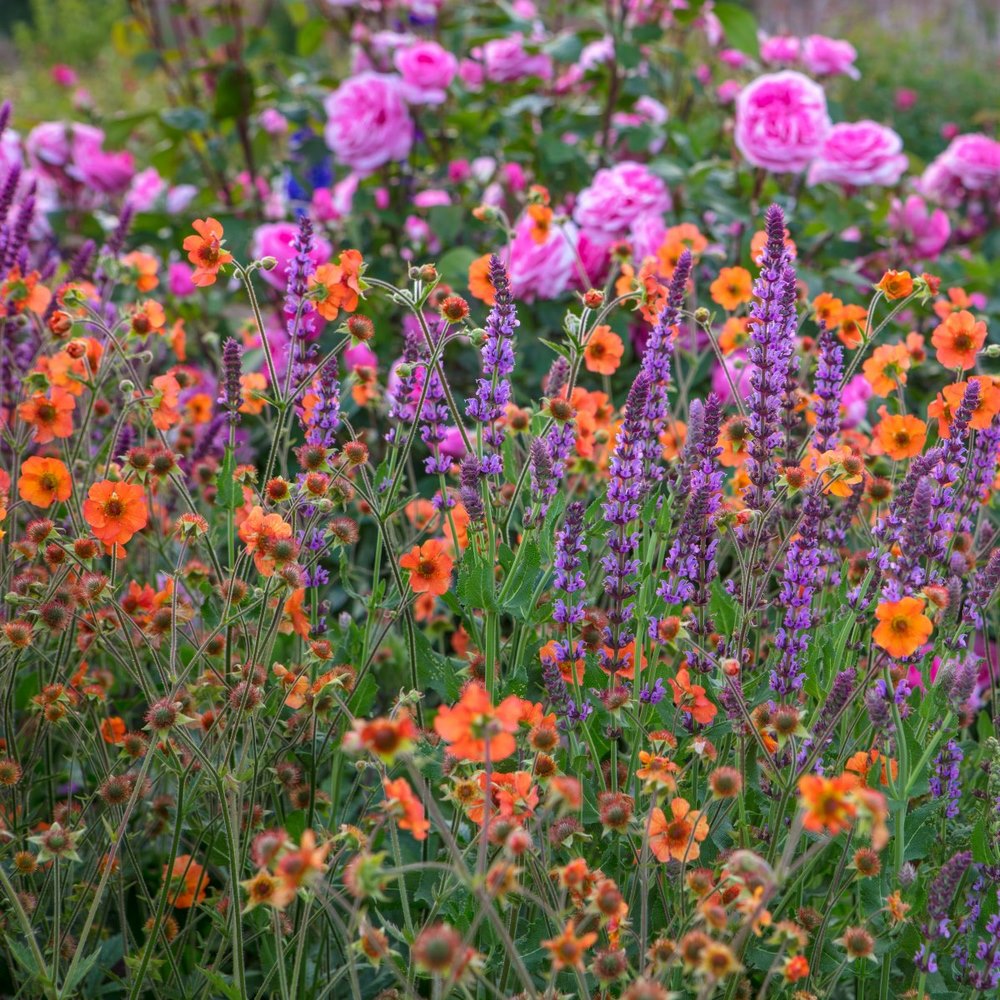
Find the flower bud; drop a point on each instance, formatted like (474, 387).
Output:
(268, 263)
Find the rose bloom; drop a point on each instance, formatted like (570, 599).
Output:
(970, 163)
(926, 232)
(368, 123)
(855, 154)
(619, 195)
(427, 70)
(829, 57)
(781, 121)
(541, 270)
(274, 239)
(506, 61)
(780, 50)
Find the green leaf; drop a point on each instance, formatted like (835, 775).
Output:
(435, 671)
(184, 119)
(234, 93)
(519, 587)
(228, 495)
(740, 27)
(476, 582)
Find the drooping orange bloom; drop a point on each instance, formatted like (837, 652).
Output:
(657, 770)
(44, 481)
(827, 803)
(260, 532)
(691, 698)
(604, 350)
(480, 285)
(732, 288)
(148, 318)
(886, 368)
(166, 397)
(205, 251)
(474, 727)
(896, 285)
(187, 882)
(51, 416)
(853, 325)
(402, 803)
(113, 730)
(568, 949)
(341, 284)
(430, 567)
(958, 339)
(900, 436)
(115, 512)
(679, 835)
(902, 626)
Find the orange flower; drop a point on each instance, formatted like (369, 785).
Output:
(987, 407)
(734, 437)
(113, 730)
(900, 436)
(691, 698)
(827, 309)
(657, 770)
(568, 949)
(896, 285)
(861, 763)
(759, 241)
(265, 889)
(886, 368)
(853, 323)
(166, 396)
(299, 867)
(429, 566)
(19, 293)
(958, 339)
(115, 512)
(205, 251)
(341, 284)
(148, 318)
(474, 727)
(841, 469)
(44, 481)
(796, 967)
(480, 285)
(187, 882)
(827, 803)
(51, 416)
(541, 222)
(260, 532)
(253, 385)
(143, 267)
(734, 334)
(547, 654)
(677, 837)
(732, 288)
(384, 737)
(903, 627)
(604, 350)
(402, 803)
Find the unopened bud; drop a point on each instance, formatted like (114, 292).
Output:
(702, 315)
(268, 263)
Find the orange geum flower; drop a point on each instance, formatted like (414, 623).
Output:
(205, 251)
(840, 469)
(143, 267)
(732, 288)
(402, 803)
(113, 730)
(902, 627)
(677, 837)
(187, 882)
(691, 698)
(900, 436)
(299, 867)
(384, 737)
(165, 400)
(862, 762)
(429, 566)
(20, 292)
(480, 286)
(827, 309)
(44, 481)
(474, 727)
(987, 406)
(261, 532)
(254, 386)
(853, 324)
(604, 350)
(567, 950)
(115, 512)
(148, 318)
(828, 805)
(657, 770)
(958, 339)
(735, 333)
(51, 416)
(734, 438)
(896, 285)
(265, 889)
(886, 368)
(341, 284)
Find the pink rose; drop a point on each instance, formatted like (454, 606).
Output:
(618, 195)
(506, 61)
(64, 76)
(728, 91)
(924, 231)
(333, 204)
(904, 98)
(781, 121)
(272, 121)
(360, 356)
(646, 235)
(541, 270)
(855, 154)
(431, 197)
(427, 70)
(146, 187)
(73, 155)
(971, 163)
(734, 58)
(274, 239)
(829, 57)
(597, 53)
(459, 171)
(781, 50)
(471, 73)
(368, 123)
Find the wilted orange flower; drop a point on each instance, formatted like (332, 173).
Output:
(115, 512)
(678, 836)
(958, 339)
(259, 532)
(886, 368)
(402, 803)
(205, 251)
(188, 882)
(895, 284)
(473, 726)
(51, 416)
(827, 803)
(903, 627)
(44, 481)
(900, 436)
(341, 284)
(691, 698)
(567, 950)
(429, 566)
(732, 288)
(604, 350)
